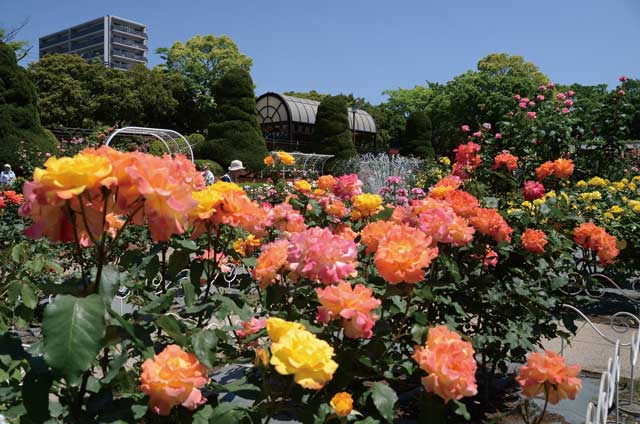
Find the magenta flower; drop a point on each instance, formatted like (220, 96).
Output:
(532, 190)
(523, 105)
(465, 128)
(623, 78)
(498, 136)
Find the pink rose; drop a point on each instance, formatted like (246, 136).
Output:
(568, 102)
(517, 97)
(531, 103)
(539, 97)
(486, 126)
(561, 96)
(531, 115)
(542, 88)
(523, 105)
(571, 93)
(551, 85)
(477, 134)
(498, 136)
(621, 92)
(565, 110)
(532, 190)
(623, 78)
(465, 128)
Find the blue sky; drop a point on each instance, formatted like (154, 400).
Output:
(365, 47)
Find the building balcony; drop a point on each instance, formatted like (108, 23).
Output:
(129, 31)
(92, 30)
(129, 56)
(52, 43)
(129, 43)
(76, 49)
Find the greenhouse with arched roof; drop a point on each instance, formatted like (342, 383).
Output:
(287, 122)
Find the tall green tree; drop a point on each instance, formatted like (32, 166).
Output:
(331, 133)
(203, 60)
(472, 98)
(234, 133)
(417, 136)
(19, 120)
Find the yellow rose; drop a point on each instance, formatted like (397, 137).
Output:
(285, 158)
(619, 185)
(581, 184)
(445, 160)
(632, 186)
(67, 177)
(302, 185)
(608, 216)
(297, 352)
(527, 204)
(538, 202)
(342, 404)
(365, 205)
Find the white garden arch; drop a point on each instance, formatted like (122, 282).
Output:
(173, 141)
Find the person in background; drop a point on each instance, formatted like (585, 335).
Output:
(7, 176)
(209, 178)
(235, 171)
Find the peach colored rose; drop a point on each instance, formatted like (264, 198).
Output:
(171, 378)
(548, 371)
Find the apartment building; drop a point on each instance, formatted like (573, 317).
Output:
(116, 42)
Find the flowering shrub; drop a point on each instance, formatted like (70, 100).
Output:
(344, 300)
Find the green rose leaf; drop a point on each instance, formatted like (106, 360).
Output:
(73, 328)
(384, 398)
(204, 346)
(29, 297)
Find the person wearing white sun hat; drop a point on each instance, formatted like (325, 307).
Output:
(235, 171)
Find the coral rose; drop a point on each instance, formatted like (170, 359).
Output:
(489, 222)
(507, 160)
(297, 352)
(563, 168)
(354, 305)
(590, 236)
(373, 233)
(545, 170)
(548, 372)
(251, 327)
(533, 241)
(463, 203)
(171, 378)
(342, 404)
(450, 364)
(403, 254)
(271, 262)
(317, 254)
(347, 186)
(326, 182)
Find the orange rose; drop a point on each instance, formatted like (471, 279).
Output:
(373, 233)
(548, 372)
(403, 255)
(563, 168)
(533, 241)
(450, 364)
(171, 378)
(545, 170)
(342, 404)
(326, 182)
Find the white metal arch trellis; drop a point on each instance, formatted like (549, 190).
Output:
(173, 141)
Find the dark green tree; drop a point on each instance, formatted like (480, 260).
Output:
(234, 133)
(417, 136)
(331, 134)
(19, 120)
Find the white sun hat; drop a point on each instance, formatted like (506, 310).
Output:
(236, 165)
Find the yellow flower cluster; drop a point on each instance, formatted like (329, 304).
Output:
(297, 352)
(591, 196)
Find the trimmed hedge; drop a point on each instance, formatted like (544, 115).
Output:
(417, 136)
(19, 120)
(234, 133)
